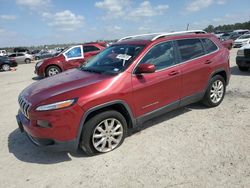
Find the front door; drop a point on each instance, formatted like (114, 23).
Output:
(73, 57)
(152, 91)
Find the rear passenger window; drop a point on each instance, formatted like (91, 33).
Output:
(209, 45)
(90, 49)
(190, 49)
(161, 55)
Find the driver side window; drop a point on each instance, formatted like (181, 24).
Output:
(161, 55)
(74, 53)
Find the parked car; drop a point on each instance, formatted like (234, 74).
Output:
(71, 57)
(43, 55)
(242, 40)
(22, 57)
(20, 50)
(125, 85)
(243, 58)
(6, 63)
(3, 53)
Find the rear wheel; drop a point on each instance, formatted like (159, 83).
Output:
(215, 91)
(244, 69)
(27, 61)
(103, 133)
(6, 67)
(52, 70)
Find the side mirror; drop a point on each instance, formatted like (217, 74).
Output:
(145, 68)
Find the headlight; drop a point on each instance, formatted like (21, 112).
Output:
(240, 53)
(57, 105)
(39, 63)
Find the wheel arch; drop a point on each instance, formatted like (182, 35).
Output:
(222, 73)
(118, 105)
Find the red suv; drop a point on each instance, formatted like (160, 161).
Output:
(133, 80)
(71, 57)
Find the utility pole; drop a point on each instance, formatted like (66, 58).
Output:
(187, 26)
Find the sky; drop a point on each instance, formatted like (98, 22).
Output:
(40, 22)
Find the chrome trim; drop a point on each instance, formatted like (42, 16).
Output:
(24, 106)
(133, 71)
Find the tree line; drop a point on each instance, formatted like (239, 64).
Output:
(228, 27)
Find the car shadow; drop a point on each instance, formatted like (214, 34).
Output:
(159, 119)
(21, 147)
(235, 71)
(37, 78)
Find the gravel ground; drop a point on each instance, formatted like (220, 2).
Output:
(189, 147)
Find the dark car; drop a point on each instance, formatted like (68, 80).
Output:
(128, 83)
(243, 58)
(43, 55)
(6, 63)
(71, 57)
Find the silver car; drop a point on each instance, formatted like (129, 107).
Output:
(22, 57)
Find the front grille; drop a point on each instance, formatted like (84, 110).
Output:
(24, 106)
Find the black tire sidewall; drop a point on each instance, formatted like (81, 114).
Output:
(27, 61)
(90, 125)
(207, 100)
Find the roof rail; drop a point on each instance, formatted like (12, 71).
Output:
(156, 36)
(134, 36)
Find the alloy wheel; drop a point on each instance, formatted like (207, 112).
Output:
(217, 91)
(107, 135)
(6, 67)
(53, 71)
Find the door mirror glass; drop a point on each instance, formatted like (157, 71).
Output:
(145, 68)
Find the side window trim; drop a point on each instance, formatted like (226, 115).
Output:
(175, 56)
(73, 58)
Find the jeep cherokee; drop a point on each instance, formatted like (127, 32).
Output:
(133, 80)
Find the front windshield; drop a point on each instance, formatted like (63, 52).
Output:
(113, 59)
(244, 37)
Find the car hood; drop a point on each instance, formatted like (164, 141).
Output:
(247, 46)
(242, 40)
(60, 84)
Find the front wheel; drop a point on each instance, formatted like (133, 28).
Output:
(103, 133)
(215, 91)
(52, 70)
(6, 67)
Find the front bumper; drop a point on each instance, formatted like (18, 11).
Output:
(59, 137)
(39, 71)
(243, 61)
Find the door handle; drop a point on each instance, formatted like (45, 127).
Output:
(172, 73)
(208, 61)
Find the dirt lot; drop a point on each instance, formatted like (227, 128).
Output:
(189, 147)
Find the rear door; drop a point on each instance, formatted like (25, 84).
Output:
(194, 65)
(20, 58)
(152, 91)
(90, 51)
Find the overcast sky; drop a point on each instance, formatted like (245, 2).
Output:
(35, 22)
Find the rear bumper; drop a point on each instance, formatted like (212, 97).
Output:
(45, 143)
(243, 61)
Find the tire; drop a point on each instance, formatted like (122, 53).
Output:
(215, 92)
(5, 67)
(27, 61)
(52, 70)
(243, 69)
(112, 137)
